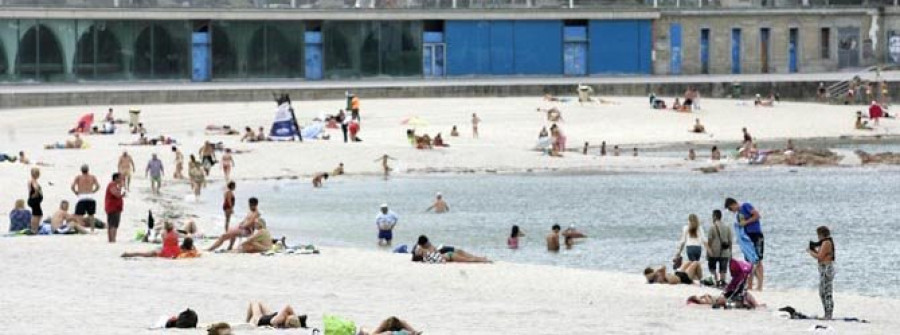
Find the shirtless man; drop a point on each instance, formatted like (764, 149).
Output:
(208, 156)
(179, 163)
(553, 239)
(440, 206)
(245, 228)
(384, 164)
(63, 218)
(317, 180)
(85, 186)
(126, 168)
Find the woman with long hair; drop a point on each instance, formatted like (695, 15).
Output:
(692, 238)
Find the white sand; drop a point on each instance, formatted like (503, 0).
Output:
(56, 285)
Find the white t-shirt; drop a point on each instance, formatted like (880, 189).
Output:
(687, 240)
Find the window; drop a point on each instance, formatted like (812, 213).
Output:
(825, 43)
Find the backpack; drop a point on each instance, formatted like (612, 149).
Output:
(335, 325)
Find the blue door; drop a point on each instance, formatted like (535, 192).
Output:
(764, 49)
(793, 36)
(575, 58)
(736, 50)
(200, 57)
(313, 57)
(704, 51)
(675, 46)
(433, 59)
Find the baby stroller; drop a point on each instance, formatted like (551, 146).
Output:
(736, 292)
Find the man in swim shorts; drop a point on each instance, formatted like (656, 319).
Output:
(85, 186)
(386, 220)
(748, 218)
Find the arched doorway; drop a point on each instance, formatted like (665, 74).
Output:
(40, 55)
(224, 56)
(98, 53)
(4, 65)
(270, 53)
(157, 55)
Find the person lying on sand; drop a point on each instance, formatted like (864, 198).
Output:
(221, 130)
(170, 248)
(259, 315)
(425, 250)
(391, 326)
(698, 127)
(77, 143)
(318, 178)
(156, 140)
(746, 301)
(686, 274)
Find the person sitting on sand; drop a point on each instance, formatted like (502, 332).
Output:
(76, 143)
(676, 106)
(698, 128)
(63, 223)
(259, 315)
(244, 229)
(438, 141)
(261, 135)
(454, 132)
(759, 102)
(411, 136)
(391, 326)
(440, 206)
(686, 274)
(318, 178)
(553, 238)
(860, 124)
(339, 170)
(170, 248)
(249, 135)
(19, 217)
(188, 250)
(423, 142)
(259, 241)
(424, 249)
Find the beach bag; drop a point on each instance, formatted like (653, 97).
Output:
(335, 325)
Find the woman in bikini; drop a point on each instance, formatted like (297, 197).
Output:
(227, 164)
(228, 204)
(686, 274)
(259, 315)
(195, 172)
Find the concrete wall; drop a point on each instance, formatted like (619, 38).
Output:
(720, 24)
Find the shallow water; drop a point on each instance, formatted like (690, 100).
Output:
(633, 220)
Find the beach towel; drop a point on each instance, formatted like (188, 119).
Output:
(746, 245)
(312, 131)
(293, 250)
(335, 325)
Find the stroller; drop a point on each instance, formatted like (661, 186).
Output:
(736, 292)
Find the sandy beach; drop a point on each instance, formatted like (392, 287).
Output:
(79, 284)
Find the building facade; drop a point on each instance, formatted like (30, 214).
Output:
(61, 43)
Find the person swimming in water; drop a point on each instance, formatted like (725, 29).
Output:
(440, 206)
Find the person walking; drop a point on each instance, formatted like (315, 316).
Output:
(475, 121)
(747, 219)
(718, 252)
(386, 221)
(126, 168)
(155, 171)
(114, 204)
(823, 252)
(179, 163)
(35, 197)
(228, 203)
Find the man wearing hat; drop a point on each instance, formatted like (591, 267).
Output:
(386, 220)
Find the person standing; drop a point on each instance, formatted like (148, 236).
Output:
(718, 252)
(553, 238)
(747, 137)
(195, 173)
(228, 203)
(342, 119)
(693, 239)
(386, 221)
(84, 187)
(126, 168)
(155, 170)
(384, 165)
(354, 108)
(227, 164)
(179, 163)
(114, 204)
(875, 113)
(35, 197)
(475, 122)
(747, 219)
(823, 252)
(207, 156)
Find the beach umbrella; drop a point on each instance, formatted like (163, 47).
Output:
(415, 121)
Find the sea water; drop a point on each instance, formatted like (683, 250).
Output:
(633, 220)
